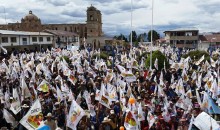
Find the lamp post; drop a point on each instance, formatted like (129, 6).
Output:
(152, 34)
(131, 22)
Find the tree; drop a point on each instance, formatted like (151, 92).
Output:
(161, 58)
(134, 36)
(156, 36)
(121, 37)
(141, 37)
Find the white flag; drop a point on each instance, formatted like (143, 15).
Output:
(75, 115)
(156, 63)
(140, 113)
(34, 117)
(59, 95)
(9, 118)
(5, 51)
(15, 104)
(130, 122)
(150, 119)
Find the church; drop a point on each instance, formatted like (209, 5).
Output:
(91, 30)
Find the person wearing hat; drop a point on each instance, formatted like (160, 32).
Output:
(50, 122)
(107, 124)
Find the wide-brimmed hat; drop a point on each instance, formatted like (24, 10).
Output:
(25, 106)
(49, 115)
(106, 120)
(112, 112)
(139, 98)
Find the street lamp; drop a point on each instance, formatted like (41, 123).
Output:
(152, 34)
(131, 21)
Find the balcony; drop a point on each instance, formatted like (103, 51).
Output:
(184, 38)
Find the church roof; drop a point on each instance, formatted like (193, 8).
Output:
(31, 16)
(91, 8)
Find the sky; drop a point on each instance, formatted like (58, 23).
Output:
(116, 14)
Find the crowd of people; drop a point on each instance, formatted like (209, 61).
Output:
(64, 89)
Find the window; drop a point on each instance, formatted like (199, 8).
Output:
(48, 39)
(90, 30)
(188, 34)
(40, 39)
(91, 17)
(13, 39)
(24, 40)
(65, 28)
(4, 39)
(34, 39)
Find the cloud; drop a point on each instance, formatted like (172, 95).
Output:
(116, 14)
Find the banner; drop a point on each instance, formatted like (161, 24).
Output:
(34, 117)
(75, 115)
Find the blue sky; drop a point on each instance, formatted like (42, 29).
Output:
(168, 14)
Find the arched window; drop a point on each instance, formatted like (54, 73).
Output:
(91, 17)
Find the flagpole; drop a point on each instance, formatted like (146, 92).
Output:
(152, 34)
(131, 21)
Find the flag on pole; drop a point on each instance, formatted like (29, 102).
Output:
(44, 86)
(104, 99)
(9, 118)
(59, 94)
(212, 107)
(200, 60)
(25, 91)
(75, 115)
(5, 50)
(34, 118)
(156, 63)
(130, 122)
(140, 113)
(15, 104)
(150, 119)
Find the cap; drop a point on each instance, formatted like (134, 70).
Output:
(139, 98)
(112, 112)
(49, 115)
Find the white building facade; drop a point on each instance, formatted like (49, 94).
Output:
(14, 39)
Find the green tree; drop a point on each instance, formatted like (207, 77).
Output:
(196, 55)
(156, 36)
(141, 37)
(161, 58)
(134, 36)
(121, 37)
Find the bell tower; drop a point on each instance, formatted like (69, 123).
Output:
(94, 22)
